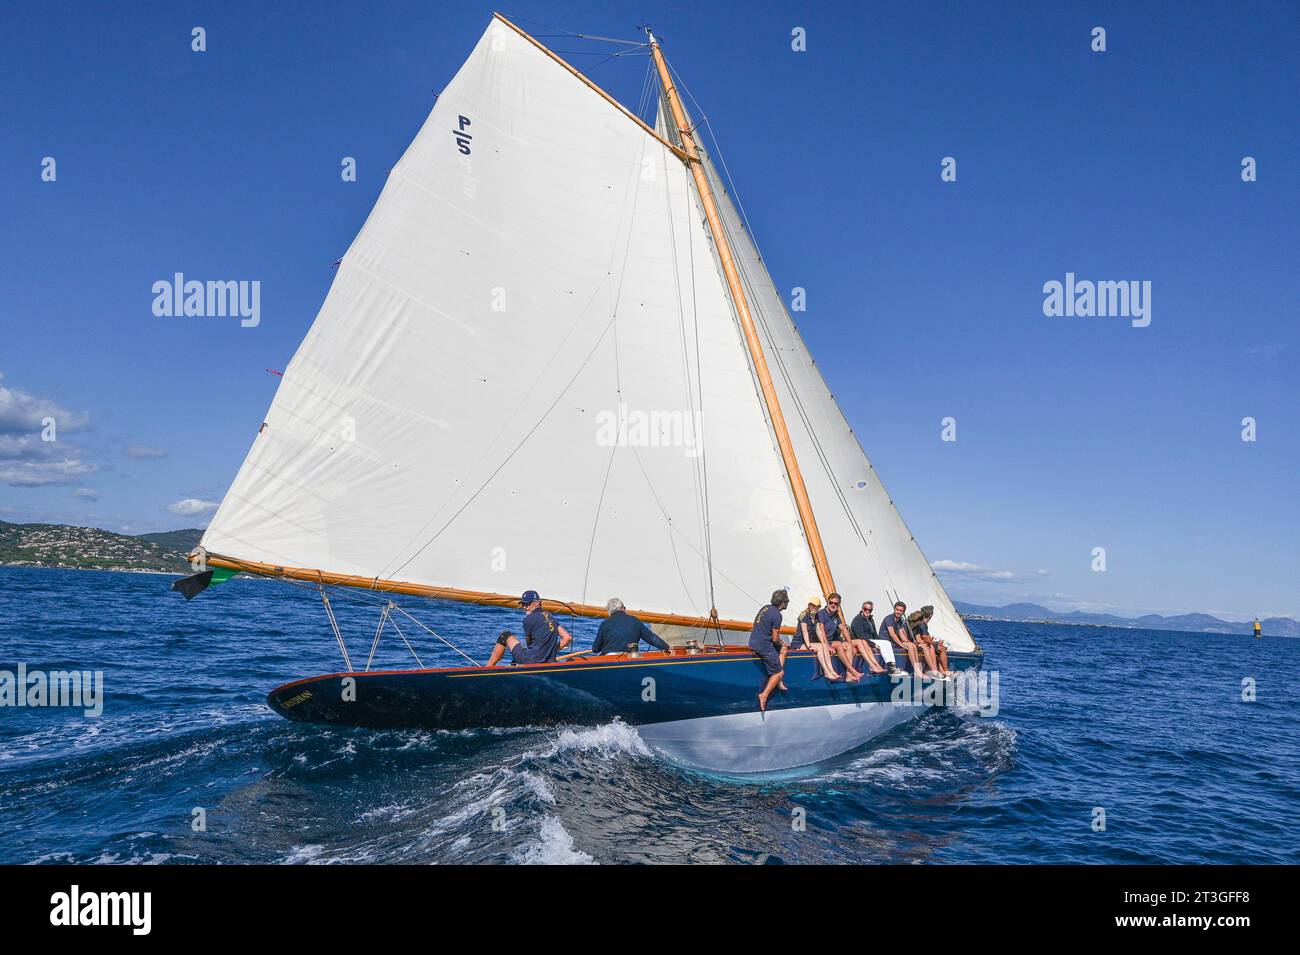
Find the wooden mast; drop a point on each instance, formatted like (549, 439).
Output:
(694, 163)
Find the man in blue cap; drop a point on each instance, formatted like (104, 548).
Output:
(543, 635)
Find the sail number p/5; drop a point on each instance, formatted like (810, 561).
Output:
(462, 137)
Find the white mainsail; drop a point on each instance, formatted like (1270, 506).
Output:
(534, 273)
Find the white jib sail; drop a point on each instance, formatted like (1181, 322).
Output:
(523, 370)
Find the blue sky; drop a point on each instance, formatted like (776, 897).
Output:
(924, 297)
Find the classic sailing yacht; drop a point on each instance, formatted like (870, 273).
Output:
(553, 358)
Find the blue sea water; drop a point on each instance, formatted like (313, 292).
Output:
(1149, 726)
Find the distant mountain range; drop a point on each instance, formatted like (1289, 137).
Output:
(63, 545)
(1193, 622)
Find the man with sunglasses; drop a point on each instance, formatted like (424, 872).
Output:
(895, 627)
(865, 637)
(805, 635)
(833, 632)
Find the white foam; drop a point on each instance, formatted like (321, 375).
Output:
(608, 739)
(301, 854)
(553, 846)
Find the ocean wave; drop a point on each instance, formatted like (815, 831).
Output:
(552, 846)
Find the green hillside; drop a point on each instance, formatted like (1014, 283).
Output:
(61, 545)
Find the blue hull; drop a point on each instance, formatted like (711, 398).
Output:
(642, 690)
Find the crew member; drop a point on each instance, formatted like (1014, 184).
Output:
(621, 632)
(765, 640)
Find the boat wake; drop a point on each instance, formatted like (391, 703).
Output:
(273, 792)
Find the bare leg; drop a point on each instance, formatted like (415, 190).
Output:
(785, 650)
(866, 650)
(943, 657)
(772, 681)
(498, 652)
(910, 650)
(824, 658)
(845, 653)
(927, 651)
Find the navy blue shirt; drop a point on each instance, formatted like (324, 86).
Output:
(620, 629)
(863, 627)
(899, 624)
(542, 636)
(922, 629)
(830, 621)
(805, 630)
(768, 619)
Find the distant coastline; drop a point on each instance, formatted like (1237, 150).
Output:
(1186, 623)
(88, 548)
(70, 547)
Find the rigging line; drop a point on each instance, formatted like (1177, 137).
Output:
(611, 39)
(383, 617)
(644, 99)
(418, 661)
(597, 66)
(523, 402)
(783, 365)
(560, 31)
(569, 33)
(618, 380)
(699, 385)
(668, 521)
(608, 56)
(751, 364)
(740, 206)
(431, 633)
(700, 491)
(595, 522)
(675, 136)
(734, 583)
(334, 624)
(362, 596)
(798, 401)
(524, 440)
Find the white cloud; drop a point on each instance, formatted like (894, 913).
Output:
(86, 494)
(144, 451)
(47, 469)
(191, 507)
(1266, 353)
(24, 413)
(965, 569)
(26, 459)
